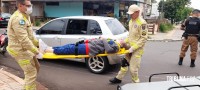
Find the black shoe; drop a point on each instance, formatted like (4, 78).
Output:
(192, 65)
(115, 80)
(180, 61)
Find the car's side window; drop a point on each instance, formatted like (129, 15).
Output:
(76, 26)
(54, 27)
(94, 28)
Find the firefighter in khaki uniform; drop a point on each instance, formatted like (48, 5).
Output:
(191, 34)
(22, 44)
(137, 38)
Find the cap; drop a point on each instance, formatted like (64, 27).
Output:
(133, 8)
(196, 11)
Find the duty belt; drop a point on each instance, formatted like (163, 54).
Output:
(194, 35)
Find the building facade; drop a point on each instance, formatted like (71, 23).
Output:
(61, 8)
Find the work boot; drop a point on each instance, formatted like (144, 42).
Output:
(180, 61)
(192, 64)
(115, 80)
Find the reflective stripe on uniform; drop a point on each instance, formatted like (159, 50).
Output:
(135, 78)
(124, 69)
(17, 13)
(126, 40)
(30, 87)
(138, 56)
(34, 50)
(130, 21)
(36, 43)
(139, 22)
(134, 45)
(11, 51)
(24, 62)
(141, 52)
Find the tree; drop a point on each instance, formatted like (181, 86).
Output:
(153, 1)
(183, 14)
(174, 9)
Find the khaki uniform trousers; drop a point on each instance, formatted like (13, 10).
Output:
(30, 66)
(134, 60)
(193, 43)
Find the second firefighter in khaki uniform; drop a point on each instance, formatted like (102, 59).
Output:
(22, 44)
(137, 38)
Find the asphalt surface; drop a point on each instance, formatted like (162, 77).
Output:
(67, 75)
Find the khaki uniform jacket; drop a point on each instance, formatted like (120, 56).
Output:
(138, 33)
(21, 40)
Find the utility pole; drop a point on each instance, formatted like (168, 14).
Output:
(162, 15)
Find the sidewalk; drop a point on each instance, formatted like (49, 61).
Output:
(9, 81)
(174, 35)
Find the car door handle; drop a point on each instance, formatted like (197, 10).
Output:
(82, 38)
(56, 37)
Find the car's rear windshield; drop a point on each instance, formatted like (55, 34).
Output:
(5, 15)
(115, 26)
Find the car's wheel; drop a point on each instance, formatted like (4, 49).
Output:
(97, 65)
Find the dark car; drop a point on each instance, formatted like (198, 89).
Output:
(4, 18)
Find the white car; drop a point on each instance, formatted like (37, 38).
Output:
(67, 30)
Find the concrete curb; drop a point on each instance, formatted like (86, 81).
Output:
(17, 79)
(165, 40)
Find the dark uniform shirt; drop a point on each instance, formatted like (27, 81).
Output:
(192, 25)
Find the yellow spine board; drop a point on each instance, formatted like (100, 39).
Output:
(54, 56)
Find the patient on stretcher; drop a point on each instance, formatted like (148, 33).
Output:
(85, 47)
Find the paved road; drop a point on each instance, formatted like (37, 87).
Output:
(67, 75)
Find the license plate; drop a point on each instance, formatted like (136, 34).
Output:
(7, 19)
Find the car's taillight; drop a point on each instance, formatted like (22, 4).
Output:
(1, 18)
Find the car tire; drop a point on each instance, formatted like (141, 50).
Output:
(97, 65)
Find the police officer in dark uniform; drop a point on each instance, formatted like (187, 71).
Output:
(192, 29)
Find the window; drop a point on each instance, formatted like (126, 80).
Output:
(5, 15)
(115, 26)
(54, 27)
(98, 8)
(94, 28)
(52, 3)
(77, 26)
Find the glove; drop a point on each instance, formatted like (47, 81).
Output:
(131, 50)
(39, 56)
